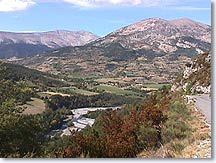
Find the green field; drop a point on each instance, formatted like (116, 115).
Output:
(75, 90)
(117, 91)
(80, 76)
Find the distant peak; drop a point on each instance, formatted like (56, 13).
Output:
(61, 31)
(188, 22)
(184, 19)
(154, 19)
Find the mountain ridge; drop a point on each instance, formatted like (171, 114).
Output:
(153, 32)
(153, 49)
(28, 44)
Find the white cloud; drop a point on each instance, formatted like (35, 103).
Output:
(15, 5)
(104, 3)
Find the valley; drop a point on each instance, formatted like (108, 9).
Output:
(152, 51)
(121, 95)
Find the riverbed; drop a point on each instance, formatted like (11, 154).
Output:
(79, 121)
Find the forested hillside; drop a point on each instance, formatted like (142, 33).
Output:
(17, 73)
(27, 135)
(22, 135)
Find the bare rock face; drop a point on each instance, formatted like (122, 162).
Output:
(22, 44)
(196, 77)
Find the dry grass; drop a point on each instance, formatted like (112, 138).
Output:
(200, 146)
(197, 146)
(55, 93)
(36, 106)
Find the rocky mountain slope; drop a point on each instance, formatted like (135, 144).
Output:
(154, 49)
(154, 37)
(28, 44)
(162, 36)
(196, 77)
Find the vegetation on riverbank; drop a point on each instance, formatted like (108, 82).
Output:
(162, 118)
(144, 125)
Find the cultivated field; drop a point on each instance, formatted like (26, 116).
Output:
(116, 90)
(75, 90)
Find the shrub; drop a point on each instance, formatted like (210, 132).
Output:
(176, 126)
(147, 137)
(177, 147)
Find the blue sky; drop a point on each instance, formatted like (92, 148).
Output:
(97, 16)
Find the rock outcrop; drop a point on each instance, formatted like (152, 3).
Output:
(196, 77)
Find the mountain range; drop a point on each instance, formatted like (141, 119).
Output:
(153, 35)
(29, 44)
(154, 49)
(162, 36)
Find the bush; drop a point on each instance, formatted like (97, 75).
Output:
(188, 89)
(176, 126)
(147, 137)
(177, 147)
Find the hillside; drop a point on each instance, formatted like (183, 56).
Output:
(196, 78)
(160, 126)
(152, 50)
(162, 36)
(29, 44)
(17, 73)
(148, 121)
